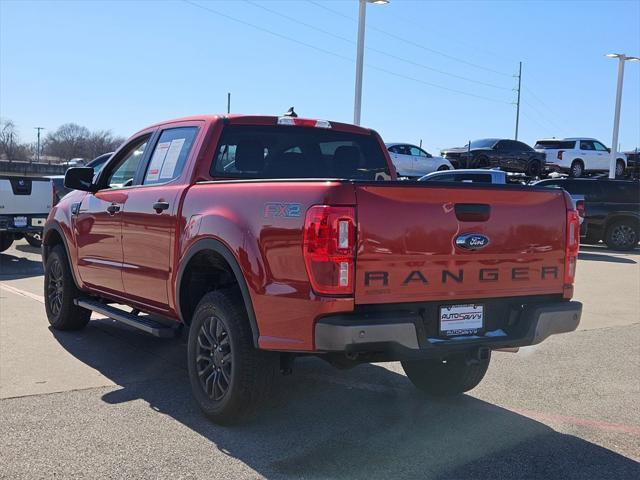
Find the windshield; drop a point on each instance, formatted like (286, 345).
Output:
(247, 151)
(484, 143)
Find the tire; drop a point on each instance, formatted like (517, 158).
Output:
(577, 169)
(6, 240)
(442, 168)
(620, 168)
(33, 239)
(440, 379)
(534, 169)
(59, 293)
(622, 235)
(229, 377)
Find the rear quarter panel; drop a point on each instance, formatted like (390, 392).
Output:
(247, 218)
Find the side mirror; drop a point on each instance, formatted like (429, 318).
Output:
(80, 178)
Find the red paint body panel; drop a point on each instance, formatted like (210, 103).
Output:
(412, 229)
(134, 256)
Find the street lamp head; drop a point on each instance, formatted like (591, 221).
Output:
(378, 2)
(623, 57)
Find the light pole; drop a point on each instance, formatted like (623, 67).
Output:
(38, 147)
(616, 118)
(362, 10)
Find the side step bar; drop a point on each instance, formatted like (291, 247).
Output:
(144, 323)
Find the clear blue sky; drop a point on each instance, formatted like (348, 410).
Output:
(123, 65)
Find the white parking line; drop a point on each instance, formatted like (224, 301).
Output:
(23, 293)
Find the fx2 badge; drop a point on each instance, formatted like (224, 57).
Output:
(282, 210)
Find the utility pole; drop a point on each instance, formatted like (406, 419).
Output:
(229, 102)
(38, 145)
(518, 102)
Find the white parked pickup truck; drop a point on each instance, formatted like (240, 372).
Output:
(578, 156)
(24, 205)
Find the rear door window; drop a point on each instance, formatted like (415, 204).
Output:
(621, 192)
(247, 151)
(170, 154)
(586, 145)
(554, 144)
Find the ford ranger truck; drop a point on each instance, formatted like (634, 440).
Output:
(269, 238)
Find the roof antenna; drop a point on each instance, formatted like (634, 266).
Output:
(291, 113)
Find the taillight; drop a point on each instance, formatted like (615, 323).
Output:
(580, 208)
(559, 155)
(572, 246)
(329, 249)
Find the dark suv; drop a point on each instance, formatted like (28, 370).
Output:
(611, 209)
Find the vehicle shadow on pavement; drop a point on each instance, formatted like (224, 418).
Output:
(600, 257)
(368, 422)
(12, 267)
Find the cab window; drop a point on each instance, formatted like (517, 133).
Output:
(170, 155)
(123, 173)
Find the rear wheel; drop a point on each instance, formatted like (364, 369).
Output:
(622, 235)
(577, 169)
(33, 239)
(442, 168)
(441, 378)
(60, 291)
(229, 377)
(6, 240)
(534, 169)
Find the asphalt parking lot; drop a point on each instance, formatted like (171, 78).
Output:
(112, 403)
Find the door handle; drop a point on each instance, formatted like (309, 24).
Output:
(160, 206)
(113, 208)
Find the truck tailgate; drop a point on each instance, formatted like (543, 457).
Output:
(25, 195)
(407, 242)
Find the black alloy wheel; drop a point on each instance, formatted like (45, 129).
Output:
(214, 358)
(55, 286)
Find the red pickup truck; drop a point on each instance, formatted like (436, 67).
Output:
(274, 237)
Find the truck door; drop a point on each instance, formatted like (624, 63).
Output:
(149, 217)
(98, 223)
(602, 156)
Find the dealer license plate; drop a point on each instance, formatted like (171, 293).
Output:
(458, 320)
(19, 222)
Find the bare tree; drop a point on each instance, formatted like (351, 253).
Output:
(67, 142)
(101, 141)
(9, 141)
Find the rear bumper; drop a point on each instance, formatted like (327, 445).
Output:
(34, 223)
(401, 336)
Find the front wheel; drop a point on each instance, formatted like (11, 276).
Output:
(622, 235)
(229, 377)
(619, 168)
(33, 239)
(442, 168)
(443, 378)
(60, 293)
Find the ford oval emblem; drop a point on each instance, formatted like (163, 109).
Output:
(472, 241)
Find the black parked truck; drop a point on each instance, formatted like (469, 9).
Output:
(611, 209)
